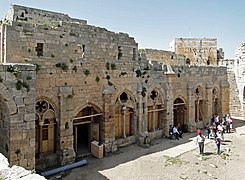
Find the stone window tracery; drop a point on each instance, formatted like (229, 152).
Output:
(124, 117)
(45, 127)
(155, 112)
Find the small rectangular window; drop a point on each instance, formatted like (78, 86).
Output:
(134, 54)
(119, 56)
(39, 49)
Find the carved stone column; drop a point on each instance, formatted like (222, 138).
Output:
(124, 109)
(153, 118)
(197, 109)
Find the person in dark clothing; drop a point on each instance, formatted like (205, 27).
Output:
(170, 132)
(180, 131)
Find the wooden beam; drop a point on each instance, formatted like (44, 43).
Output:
(179, 104)
(93, 115)
(156, 110)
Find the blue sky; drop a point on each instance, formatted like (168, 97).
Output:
(154, 23)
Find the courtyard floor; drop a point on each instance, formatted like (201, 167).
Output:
(165, 159)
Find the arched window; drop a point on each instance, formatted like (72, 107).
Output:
(45, 128)
(124, 122)
(155, 112)
(124, 116)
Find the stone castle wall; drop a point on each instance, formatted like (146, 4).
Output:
(165, 57)
(199, 51)
(79, 66)
(17, 118)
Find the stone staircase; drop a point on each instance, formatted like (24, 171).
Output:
(235, 104)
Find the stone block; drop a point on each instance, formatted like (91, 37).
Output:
(96, 149)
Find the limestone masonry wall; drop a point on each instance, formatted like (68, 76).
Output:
(90, 80)
(199, 51)
(17, 118)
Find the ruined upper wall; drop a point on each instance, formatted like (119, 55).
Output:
(200, 51)
(165, 57)
(48, 38)
(38, 16)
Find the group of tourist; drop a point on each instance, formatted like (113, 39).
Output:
(175, 132)
(215, 130)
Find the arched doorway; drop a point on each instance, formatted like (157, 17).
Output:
(179, 112)
(86, 128)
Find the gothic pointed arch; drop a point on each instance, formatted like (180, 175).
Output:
(156, 111)
(87, 127)
(95, 105)
(125, 115)
(180, 109)
(4, 128)
(8, 112)
(46, 131)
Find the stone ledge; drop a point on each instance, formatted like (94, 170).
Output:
(16, 172)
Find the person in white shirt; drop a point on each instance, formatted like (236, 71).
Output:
(200, 140)
(176, 132)
(228, 123)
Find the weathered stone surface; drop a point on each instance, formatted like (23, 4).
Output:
(91, 80)
(15, 172)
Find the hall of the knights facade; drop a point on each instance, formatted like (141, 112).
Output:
(65, 83)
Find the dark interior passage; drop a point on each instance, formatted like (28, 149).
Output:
(82, 138)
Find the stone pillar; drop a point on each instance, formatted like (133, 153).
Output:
(197, 109)
(168, 86)
(139, 114)
(153, 118)
(191, 108)
(224, 97)
(67, 153)
(123, 121)
(141, 111)
(144, 115)
(168, 104)
(209, 103)
(108, 125)
(19, 121)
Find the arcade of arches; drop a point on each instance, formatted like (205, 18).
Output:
(126, 124)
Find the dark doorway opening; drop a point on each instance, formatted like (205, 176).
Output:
(82, 139)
